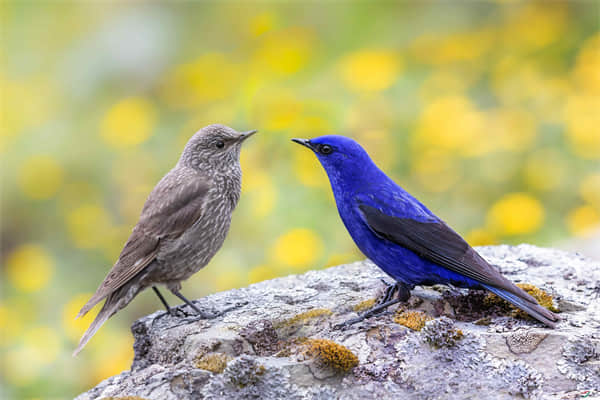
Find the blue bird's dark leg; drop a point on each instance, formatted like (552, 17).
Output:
(403, 294)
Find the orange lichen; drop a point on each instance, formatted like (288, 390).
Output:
(303, 317)
(364, 305)
(414, 320)
(332, 354)
(214, 362)
(542, 297)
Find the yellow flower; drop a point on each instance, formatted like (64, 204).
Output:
(516, 214)
(128, 123)
(286, 51)
(536, 25)
(74, 328)
(229, 278)
(453, 124)
(29, 268)
(589, 189)
(583, 125)
(583, 220)
(370, 70)
(480, 237)
(89, 225)
(587, 68)
(298, 248)
(111, 351)
(261, 273)
(209, 78)
(40, 177)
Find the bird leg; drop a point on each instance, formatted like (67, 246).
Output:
(403, 294)
(162, 299)
(186, 301)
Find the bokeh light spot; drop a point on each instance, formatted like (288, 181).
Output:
(370, 70)
(298, 248)
(589, 189)
(29, 268)
(74, 328)
(261, 273)
(128, 123)
(583, 220)
(89, 226)
(516, 214)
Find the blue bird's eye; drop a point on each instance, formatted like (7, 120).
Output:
(220, 144)
(325, 149)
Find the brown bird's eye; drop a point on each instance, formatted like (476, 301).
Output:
(220, 144)
(326, 149)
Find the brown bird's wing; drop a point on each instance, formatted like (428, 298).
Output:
(174, 205)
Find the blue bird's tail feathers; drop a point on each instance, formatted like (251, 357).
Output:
(532, 308)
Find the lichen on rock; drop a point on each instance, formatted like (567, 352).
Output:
(414, 320)
(441, 332)
(332, 354)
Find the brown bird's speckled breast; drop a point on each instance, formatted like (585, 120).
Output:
(179, 258)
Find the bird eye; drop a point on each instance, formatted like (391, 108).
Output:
(220, 144)
(326, 149)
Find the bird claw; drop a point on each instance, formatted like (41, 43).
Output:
(403, 294)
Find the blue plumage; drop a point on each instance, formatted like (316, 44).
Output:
(402, 236)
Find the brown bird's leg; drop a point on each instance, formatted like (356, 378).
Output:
(186, 301)
(386, 300)
(162, 299)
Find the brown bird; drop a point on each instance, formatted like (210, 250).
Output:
(182, 226)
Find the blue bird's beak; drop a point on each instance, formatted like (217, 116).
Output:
(303, 142)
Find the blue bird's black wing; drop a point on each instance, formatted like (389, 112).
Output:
(437, 242)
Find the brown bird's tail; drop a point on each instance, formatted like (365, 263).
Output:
(114, 302)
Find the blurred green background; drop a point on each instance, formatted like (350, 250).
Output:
(487, 112)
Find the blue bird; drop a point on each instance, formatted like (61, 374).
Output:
(402, 236)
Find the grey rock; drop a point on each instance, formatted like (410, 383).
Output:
(264, 329)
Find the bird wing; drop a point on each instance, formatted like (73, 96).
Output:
(437, 242)
(174, 205)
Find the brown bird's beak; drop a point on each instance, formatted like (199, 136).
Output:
(246, 135)
(303, 142)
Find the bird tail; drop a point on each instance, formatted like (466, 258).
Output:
(96, 298)
(530, 307)
(112, 304)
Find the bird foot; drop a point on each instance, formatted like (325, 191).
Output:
(188, 319)
(399, 290)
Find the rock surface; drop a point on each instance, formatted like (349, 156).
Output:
(263, 347)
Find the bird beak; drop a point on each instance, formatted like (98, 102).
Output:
(246, 135)
(303, 142)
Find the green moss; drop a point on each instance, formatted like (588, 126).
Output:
(213, 362)
(542, 297)
(303, 317)
(332, 354)
(364, 305)
(414, 320)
